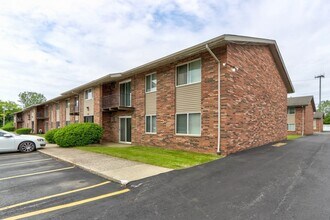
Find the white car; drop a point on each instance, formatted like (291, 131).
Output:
(10, 142)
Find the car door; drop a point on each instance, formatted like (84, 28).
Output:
(7, 144)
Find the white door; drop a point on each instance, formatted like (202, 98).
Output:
(7, 143)
(125, 134)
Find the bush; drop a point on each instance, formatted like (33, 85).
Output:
(49, 136)
(9, 127)
(78, 135)
(23, 131)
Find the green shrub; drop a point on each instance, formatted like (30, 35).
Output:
(9, 127)
(78, 135)
(23, 131)
(49, 136)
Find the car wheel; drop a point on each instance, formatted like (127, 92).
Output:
(26, 147)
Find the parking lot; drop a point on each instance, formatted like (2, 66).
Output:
(37, 186)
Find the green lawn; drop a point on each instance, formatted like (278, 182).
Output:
(293, 137)
(174, 159)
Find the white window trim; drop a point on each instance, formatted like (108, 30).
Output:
(291, 113)
(294, 127)
(91, 92)
(145, 80)
(124, 142)
(187, 113)
(122, 82)
(185, 63)
(145, 123)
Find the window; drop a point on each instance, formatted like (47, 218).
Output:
(57, 124)
(188, 123)
(125, 94)
(67, 123)
(151, 83)
(314, 124)
(57, 106)
(151, 125)
(291, 127)
(189, 73)
(88, 94)
(291, 110)
(76, 101)
(67, 104)
(89, 119)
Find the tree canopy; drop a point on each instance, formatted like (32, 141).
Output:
(8, 108)
(31, 98)
(325, 108)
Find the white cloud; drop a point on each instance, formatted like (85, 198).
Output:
(52, 46)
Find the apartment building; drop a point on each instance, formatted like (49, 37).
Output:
(300, 115)
(221, 96)
(318, 122)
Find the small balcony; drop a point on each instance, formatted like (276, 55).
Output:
(74, 110)
(42, 115)
(114, 103)
(19, 120)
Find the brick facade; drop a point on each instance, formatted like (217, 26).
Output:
(319, 125)
(303, 113)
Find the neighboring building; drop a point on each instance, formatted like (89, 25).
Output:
(178, 101)
(300, 115)
(318, 122)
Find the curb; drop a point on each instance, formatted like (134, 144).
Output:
(122, 182)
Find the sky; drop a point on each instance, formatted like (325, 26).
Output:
(53, 46)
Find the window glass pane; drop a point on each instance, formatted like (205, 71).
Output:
(154, 124)
(122, 94)
(181, 124)
(291, 110)
(195, 123)
(195, 71)
(148, 83)
(148, 124)
(182, 75)
(128, 94)
(122, 129)
(129, 135)
(153, 82)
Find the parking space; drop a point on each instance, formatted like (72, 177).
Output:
(34, 185)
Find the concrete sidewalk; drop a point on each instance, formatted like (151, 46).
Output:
(113, 168)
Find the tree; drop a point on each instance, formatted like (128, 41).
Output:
(31, 98)
(7, 109)
(325, 108)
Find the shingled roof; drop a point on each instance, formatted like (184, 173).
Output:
(318, 115)
(301, 101)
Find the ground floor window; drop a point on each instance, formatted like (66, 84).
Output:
(291, 127)
(67, 123)
(151, 125)
(89, 119)
(188, 123)
(57, 124)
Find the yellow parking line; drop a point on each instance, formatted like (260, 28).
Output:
(68, 205)
(37, 173)
(53, 196)
(23, 162)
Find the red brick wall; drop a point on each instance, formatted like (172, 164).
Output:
(319, 125)
(254, 100)
(97, 105)
(308, 120)
(309, 117)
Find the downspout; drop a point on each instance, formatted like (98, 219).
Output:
(303, 121)
(219, 106)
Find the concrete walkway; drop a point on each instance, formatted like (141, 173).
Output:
(113, 168)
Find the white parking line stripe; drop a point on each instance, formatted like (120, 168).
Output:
(68, 205)
(53, 196)
(17, 155)
(37, 173)
(23, 162)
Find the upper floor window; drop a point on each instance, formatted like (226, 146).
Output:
(151, 82)
(189, 73)
(57, 106)
(291, 110)
(76, 101)
(88, 94)
(67, 103)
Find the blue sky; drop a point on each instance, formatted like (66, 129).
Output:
(52, 46)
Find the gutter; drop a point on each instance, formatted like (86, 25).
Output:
(219, 106)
